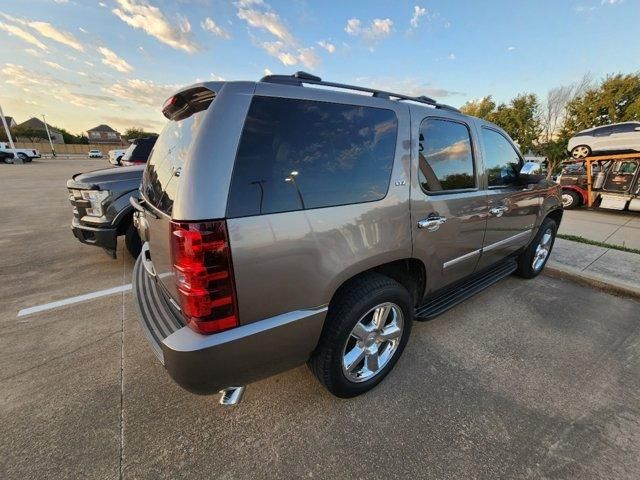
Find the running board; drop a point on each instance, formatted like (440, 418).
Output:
(453, 295)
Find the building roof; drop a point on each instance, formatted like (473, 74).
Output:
(9, 120)
(36, 124)
(102, 128)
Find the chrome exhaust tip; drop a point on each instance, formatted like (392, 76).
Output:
(231, 396)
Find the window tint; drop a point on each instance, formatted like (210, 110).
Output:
(301, 154)
(445, 160)
(162, 175)
(503, 161)
(625, 128)
(602, 132)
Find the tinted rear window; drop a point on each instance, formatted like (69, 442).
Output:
(302, 154)
(162, 175)
(140, 150)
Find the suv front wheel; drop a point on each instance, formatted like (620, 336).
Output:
(366, 330)
(534, 258)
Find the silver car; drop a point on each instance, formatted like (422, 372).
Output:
(617, 137)
(286, 224)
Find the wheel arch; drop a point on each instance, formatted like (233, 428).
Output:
(408, 272)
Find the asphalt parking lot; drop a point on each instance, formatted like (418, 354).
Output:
(529, 379)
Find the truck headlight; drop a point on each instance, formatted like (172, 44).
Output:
(95, 197)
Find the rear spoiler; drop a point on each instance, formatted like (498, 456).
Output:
(187, 102)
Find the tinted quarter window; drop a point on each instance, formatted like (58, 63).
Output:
(502, 160)
(445, 160)
(302, 154)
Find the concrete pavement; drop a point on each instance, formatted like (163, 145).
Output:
(617, 228)
(529, 379)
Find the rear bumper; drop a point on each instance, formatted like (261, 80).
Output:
(205, 364)
(106, 238)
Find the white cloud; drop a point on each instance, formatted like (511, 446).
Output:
(417, 13)
(91, 64)
(511, 49)
(268, 72)
(102, 4)
(20, 33)
(328, 46)
(610, 2)
(262, 19)
(376, 31)
(111, 59)
(141, 14)
(451, 56)
(145, 92)
(354, 26)
(411, 86)
(82, 30)
(211, 26)
(285, 47)
(55, 65)
(217, 78)
(60, 2)
(33, 51)
(66, 38)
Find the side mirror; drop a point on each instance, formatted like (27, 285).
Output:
(531, 172)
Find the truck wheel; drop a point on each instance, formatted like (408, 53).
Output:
(534, 258)
(25, 158)
(570, 199)
(132, 241)
(367, 327)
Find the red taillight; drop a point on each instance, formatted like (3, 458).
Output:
(204, 277)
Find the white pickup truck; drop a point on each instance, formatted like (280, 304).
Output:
(26, 154)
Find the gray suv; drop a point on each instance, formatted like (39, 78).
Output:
(285, 222)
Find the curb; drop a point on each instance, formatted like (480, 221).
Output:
(601, 282)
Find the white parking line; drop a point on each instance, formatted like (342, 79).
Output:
(71, 300)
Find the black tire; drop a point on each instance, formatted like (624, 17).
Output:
(7, 160)
(526, 259)
(347, 308)
(132, 241)
(570, 199)
(24, 157)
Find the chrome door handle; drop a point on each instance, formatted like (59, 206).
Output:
(498, 211)
(432, 223)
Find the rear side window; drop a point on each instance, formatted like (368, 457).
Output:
(303, 154)
(162, 175)
(503, 161)
(445, 161)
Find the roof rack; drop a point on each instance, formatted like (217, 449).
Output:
(300, 78)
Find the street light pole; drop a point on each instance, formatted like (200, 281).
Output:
(6, 129)
(46, 127)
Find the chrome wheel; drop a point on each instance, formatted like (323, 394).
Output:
(542, 250)
(581, 151)
(373, 342)
(567, 200)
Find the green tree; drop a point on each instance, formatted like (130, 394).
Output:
(520, 118)
(481, 108)
(32, 135)
(616, 99)
(135, 132)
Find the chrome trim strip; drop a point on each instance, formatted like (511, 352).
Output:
(186, 340)
(457, 260)
(499, 244)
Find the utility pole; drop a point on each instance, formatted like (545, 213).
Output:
(46, 127)
(16, 159)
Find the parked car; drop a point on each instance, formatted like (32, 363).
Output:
(26, 154)
(116, 155)
(95, 154)
(6, 157)
(101, 208)
(284, 224)
(139, 150)
(617, 137)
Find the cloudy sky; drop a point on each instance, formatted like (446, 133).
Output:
(85, 62)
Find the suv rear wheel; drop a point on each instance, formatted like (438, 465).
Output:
(366, 330)
(534, 258)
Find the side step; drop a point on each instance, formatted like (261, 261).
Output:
(453, 295)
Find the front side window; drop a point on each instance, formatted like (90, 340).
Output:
(303, 154)
(445, 160)
(502, 160)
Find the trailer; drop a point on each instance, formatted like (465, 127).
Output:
(617, 184)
